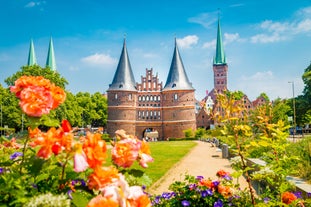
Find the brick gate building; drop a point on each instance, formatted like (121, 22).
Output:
(148, 106)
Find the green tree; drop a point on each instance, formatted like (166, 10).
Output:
(101, 109)
(11, 114)
(280, 110)
(36, 70)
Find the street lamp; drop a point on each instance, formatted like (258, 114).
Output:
(294, 108)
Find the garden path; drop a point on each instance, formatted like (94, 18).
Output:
(203, 160)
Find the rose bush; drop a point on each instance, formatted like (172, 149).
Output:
(55, 168)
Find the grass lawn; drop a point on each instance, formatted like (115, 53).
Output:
(165, 155)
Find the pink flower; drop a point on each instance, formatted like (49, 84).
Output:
(80, 160)
(144, 159)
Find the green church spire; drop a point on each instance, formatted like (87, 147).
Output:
(220, 57)
(50, 60)
(31, 55)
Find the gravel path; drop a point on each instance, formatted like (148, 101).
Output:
(203, 160)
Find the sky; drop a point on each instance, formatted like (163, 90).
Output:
(267, 43)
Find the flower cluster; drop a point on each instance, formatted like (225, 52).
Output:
(37, 95)
(200, 191)
(57, 161)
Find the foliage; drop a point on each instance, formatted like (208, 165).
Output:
(270, 137)
(188, 133)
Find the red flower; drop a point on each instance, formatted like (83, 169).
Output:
(288, 197)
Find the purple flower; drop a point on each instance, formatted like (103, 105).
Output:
(15, 155)
(206, 193)
(69, 192)
(266, 200)
(227, 177)
(216, 183)
(1, 170)
(218, 203)
(192, 186)
(185, 203)
(166, 195)
(199, 177)
(298, 194)
(309, 194)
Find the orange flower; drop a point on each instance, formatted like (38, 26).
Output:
(222, 173)
(36, 101)
(144, 154)
(100, 201)
(102, 177)
(37, 95)
(95, 149)
(207, 183)
(288, 197)
(125, 152)
(138, 198)
(224, 190)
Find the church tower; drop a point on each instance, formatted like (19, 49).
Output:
(32, 60)
(50, 60)
(178, 100)
(122, 95)
(220, 66)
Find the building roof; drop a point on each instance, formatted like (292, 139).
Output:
(32, 60)
(50, 60)
(177, 78)
(123, 78)
(220, 57)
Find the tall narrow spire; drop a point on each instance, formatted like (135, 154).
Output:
(50, 60)
(123, 78)
(220, 57)
(31, 55)
(177, 78)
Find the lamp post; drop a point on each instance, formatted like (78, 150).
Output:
(294, 109)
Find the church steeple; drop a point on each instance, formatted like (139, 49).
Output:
(220, 57)
(31, 55)
(50, 60)
(123, 78)
(177, 78)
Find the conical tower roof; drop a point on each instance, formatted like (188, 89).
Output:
(123, 78)
(177, 78)
(32, 60)
(50, 60)
(220, 57)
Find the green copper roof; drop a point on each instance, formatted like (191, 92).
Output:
(31, 55)
(50, 60)
(220, 57)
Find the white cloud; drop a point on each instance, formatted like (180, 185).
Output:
(266, 38)
(34, 3)
(210, 45)
(150, 55)
(99, 60)
(188, 41)
(275, 31)
(231, 37)
(259, 76)
(204, 19)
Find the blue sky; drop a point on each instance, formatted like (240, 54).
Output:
(267, 43)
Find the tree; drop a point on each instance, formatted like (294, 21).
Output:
(36, 70)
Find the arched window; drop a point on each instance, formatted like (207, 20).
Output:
(139, 98)
(147, 98)
(130, 96)
(143, 98)
(116, 96)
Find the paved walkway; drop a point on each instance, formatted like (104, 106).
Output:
(203, 160)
